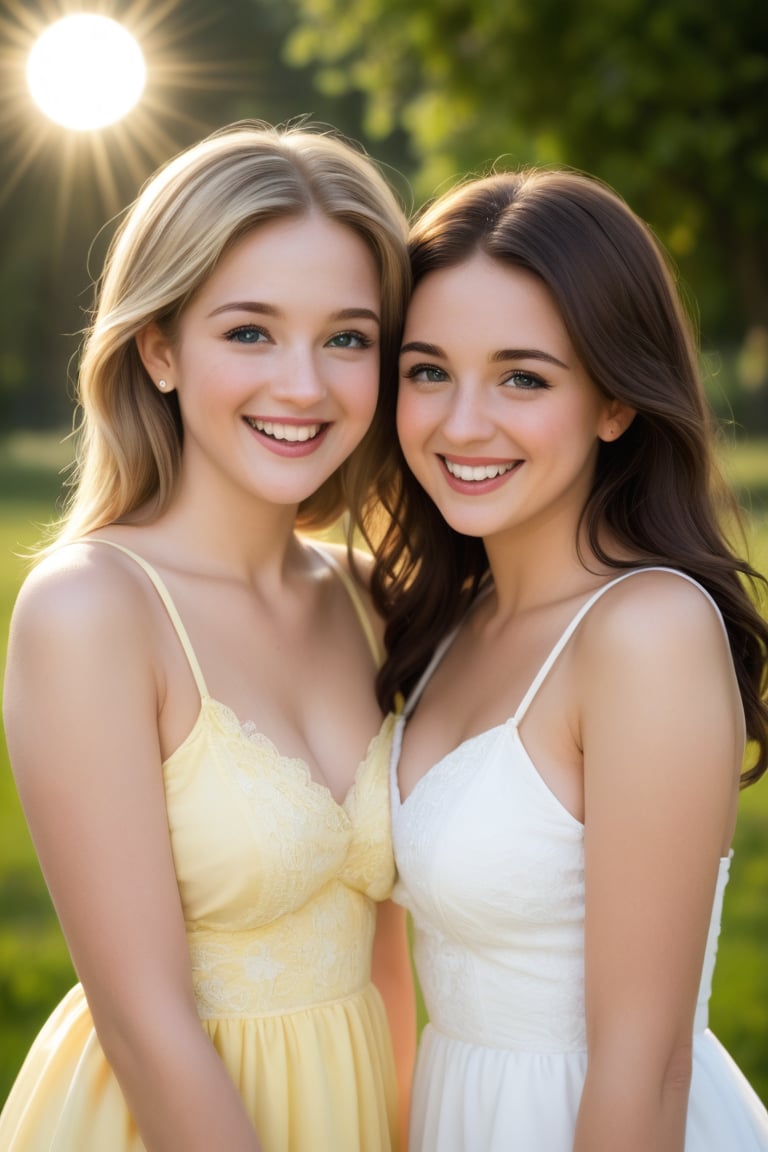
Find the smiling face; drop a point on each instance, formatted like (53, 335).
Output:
(276, 360)
(497, 418)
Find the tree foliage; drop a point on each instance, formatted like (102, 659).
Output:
(668, 102)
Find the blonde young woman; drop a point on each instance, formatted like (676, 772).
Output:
(189, 701)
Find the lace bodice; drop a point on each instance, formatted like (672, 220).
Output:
(277, 879)
(491, 866)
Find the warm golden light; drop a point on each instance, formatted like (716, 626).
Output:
(86, 71)
(63, 59)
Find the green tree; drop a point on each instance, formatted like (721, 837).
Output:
(665, 101)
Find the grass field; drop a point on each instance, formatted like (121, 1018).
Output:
(34, 967)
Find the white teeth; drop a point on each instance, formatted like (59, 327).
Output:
(478, 471)
(294, 433)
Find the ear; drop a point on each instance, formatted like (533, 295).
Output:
(157, 356)
(614, 420)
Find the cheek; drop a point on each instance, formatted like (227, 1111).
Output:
(583, 428)
(564, 429)
(411, 419)
(207, 375)
(363, 395)
(414, 426)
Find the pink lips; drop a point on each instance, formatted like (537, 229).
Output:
(478, 484)
(284, 437)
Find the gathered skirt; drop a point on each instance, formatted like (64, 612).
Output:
(320, 1079)
(471, 1098)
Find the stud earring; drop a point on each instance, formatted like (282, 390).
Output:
(162, 385)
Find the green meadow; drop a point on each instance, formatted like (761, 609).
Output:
(34, 966)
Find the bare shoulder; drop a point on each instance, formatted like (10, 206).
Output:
(81, 644)
(655, 612)
(655, 637)
(77, 591)
(359, 567)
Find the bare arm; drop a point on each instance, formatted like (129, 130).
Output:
(662, 733)
(81, 714)
(393, 976)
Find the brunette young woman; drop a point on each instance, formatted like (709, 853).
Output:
(582, 664)
(189, 701)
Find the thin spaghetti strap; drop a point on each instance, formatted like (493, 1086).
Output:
(546, 667)
(357, 602)
(170, 608)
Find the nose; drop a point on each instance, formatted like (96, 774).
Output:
(467, 419)
(297, 378)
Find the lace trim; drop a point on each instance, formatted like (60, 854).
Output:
(294, 766)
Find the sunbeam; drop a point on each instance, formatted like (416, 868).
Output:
(112, 160)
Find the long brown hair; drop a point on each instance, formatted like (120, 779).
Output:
(657, 488)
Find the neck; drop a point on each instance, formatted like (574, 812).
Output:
(540, 567)
(230, 535)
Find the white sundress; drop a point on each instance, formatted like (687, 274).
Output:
(491, 867)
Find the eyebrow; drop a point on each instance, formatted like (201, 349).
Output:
(497, 357)
(526, 354)
(261, 309)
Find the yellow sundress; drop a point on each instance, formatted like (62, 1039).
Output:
(278, 883)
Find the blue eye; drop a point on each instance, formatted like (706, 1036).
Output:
(350, 340)
(525, 381)
(246, 334)
(426, 374)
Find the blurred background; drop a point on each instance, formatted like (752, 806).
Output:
(666, 101)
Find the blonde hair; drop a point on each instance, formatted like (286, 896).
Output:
(186, 217)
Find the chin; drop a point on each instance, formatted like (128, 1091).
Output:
(468, 526)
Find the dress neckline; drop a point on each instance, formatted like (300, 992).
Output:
(253, 740)
(247, 729)
(528, 697)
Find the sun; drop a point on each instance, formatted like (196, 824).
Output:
(86, 114)
(86, 71)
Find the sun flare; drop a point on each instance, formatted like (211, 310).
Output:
(86, 71)
(66, 96)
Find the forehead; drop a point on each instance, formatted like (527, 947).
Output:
(489, 305)
(480, 281)
(310, 251)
